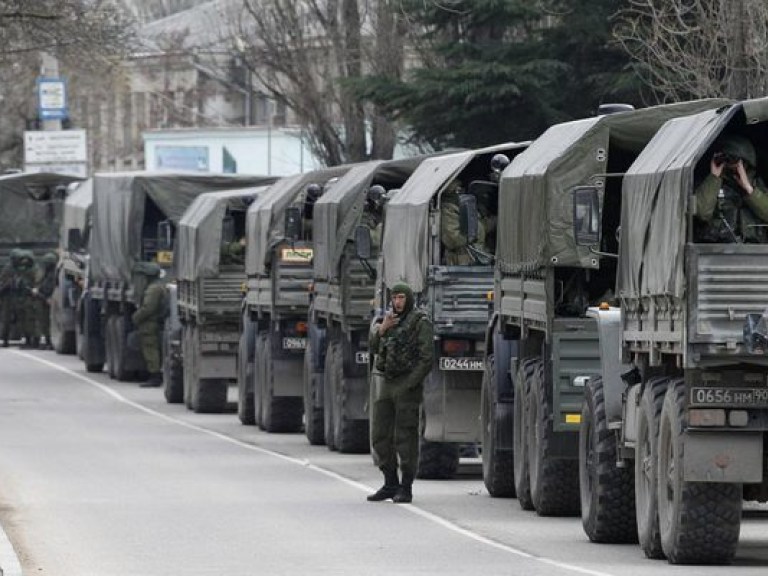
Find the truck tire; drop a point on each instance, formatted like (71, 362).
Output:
(211, 395)
(607, 491)
(109, 346)
(554, 481)
(280, 413)
(258, 378)
(646, 467)
(190, 374)
(245, 367)
(173, 381)
(351, 436)
(314, 423)
(699, 521)
(120, 350)
(437, 460)
(328, 396)
(498, 464)
(63, 340)
(519, 435)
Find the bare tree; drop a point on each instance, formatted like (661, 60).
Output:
(698, 48)
(303, 53)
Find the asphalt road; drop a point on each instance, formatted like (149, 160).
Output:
(104, 478)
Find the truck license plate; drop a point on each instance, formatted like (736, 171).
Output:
(469, 364)
(735, 397)
(361, 357)
(292, 343)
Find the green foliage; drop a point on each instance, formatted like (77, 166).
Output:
(500, 70)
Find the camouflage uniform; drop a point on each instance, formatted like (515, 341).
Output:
(45, 287)
(725, 212)
(455, 252)
(233, 253)
(24, 297)
(404, 356)
(7, 316)
(148, 320)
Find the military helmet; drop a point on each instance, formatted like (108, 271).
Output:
(49, 258)
(499, 162)
(740, 147)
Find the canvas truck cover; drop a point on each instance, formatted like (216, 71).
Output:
(655, 196)
(118, 211)
(406, 233)
(77, 208)
(198, 247)
(264, 221)
(339, 210)
(29, 210)
(536, 187)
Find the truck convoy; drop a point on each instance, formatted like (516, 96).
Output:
(451, 280)
(540, 345)
(336, 356)
(673, 428)
(279, 238)
(209, 264)
(135, 216)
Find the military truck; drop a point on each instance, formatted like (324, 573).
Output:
(209, 263)
(135, 215)
(31, 206)
(540, 346)
(674, 425)
(71, 269)
(336, 357)
(454, 295)
(279, 237)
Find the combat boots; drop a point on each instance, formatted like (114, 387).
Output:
(390, 488)
(404, 493)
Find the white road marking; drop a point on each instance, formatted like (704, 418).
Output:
(434, 518)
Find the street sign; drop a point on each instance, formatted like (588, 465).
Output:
(52, 99)
(62, 151)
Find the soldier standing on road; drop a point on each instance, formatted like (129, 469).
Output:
(148, 319)
(732, 201)
(24, 297)
(403, 343)
(7, 316)
(45, 288)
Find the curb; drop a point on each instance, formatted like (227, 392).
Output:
(9, 561)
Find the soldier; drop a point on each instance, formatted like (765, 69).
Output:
(148, 319)
(732, 201)
(7, 316)
(403, 346)
(311, 195)
(24, 297)
(455, 245)
(373, 213)
(45, 288)
(233, 253)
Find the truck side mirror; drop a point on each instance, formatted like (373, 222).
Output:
(75, 240)
(468, 217)
(165, 235)
(293, 225)
(586, 216)
(363, 242)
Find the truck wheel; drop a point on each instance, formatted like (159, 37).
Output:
(211, 395)
(63, 340)
(329, 393)
(646, 467)
(280, 413)
(245, 404)
(554, 481)
(437, 460)
(314, 422)
(173, 381)
(109, 345)
(351, 436)
(498, 464)
(519, 435)
(258, 379)
(607, 491)
(699, 521)
(120, 350)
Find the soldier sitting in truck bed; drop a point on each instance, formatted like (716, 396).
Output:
(732, 201)
(456, 249)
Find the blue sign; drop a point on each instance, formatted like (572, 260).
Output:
(193, 158)
(52, 99)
